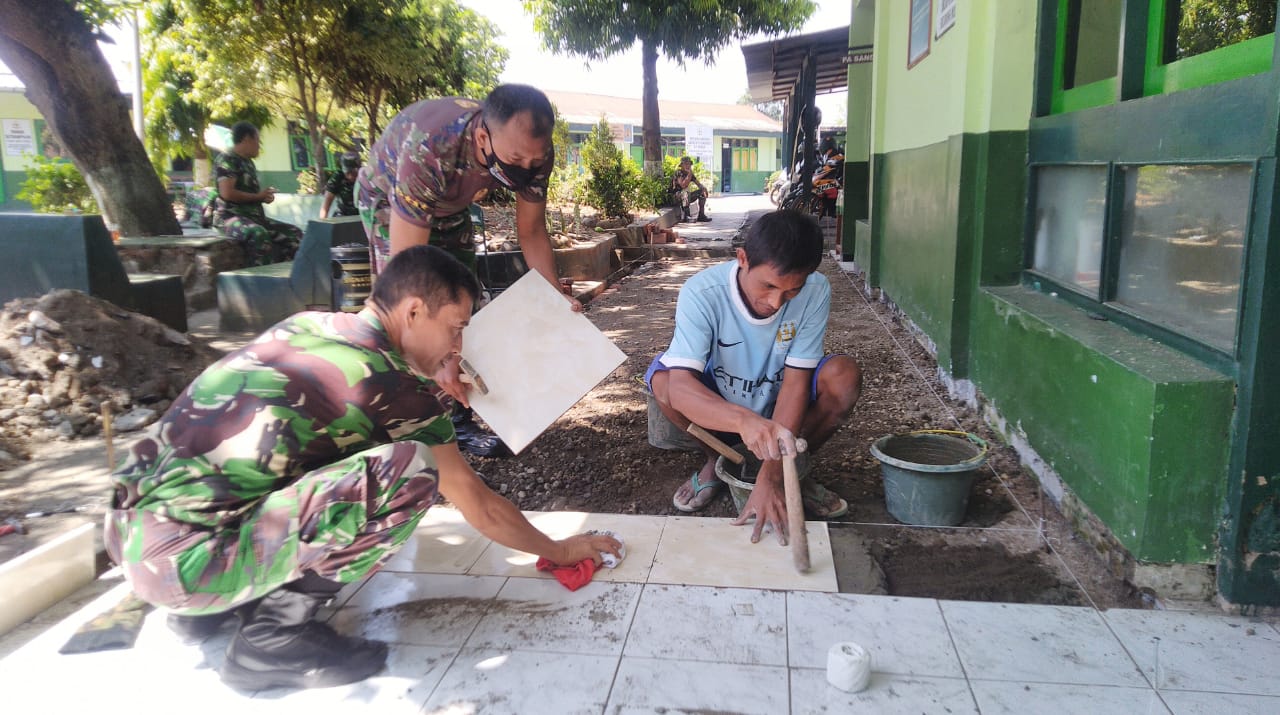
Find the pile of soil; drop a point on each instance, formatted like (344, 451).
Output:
(65, 355)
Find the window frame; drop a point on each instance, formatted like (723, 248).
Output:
(1105, 306)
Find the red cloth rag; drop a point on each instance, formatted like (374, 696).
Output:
(573, 577)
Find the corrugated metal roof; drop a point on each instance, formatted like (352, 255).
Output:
(774, 66)
(579, 108)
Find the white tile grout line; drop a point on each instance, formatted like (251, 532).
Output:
(613, 682)
(956, 650)
(947, 408)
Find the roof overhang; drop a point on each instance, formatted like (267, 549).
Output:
(773, 67)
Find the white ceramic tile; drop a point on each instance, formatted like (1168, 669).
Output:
(647, 685)
(36, 580)
(699, 551)
(640, 534)
(412, 673)
(443, 543)
(1027, 643)
(533, 320)
(534, 614)
(811, 693)
(418, 609)
(905, 636)
(1245, 653)
(1012, 698)
(1192, 702)
(725, 625)
(490, 680)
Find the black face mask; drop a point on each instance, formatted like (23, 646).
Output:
(512, 176)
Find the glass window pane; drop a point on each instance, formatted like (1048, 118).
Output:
(1093, 41)
(1182, 247)
(1070, 210)
(1193, 27)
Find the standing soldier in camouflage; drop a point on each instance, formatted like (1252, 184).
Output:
(433, 160)
(341, 186)
(300, 463)
(239, 213)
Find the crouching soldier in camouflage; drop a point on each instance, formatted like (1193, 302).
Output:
(238, 211)
(300, 463)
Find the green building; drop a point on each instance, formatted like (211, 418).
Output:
(1075, 202)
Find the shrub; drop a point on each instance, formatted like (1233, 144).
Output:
(614, 182)
(307, 182)
(55, 186)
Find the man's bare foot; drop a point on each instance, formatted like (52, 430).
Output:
(701, 489)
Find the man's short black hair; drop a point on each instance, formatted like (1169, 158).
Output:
(243, 130)
(788, 240)
(428, 273)
(508, 100)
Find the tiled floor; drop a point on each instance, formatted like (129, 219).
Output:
(696, 619)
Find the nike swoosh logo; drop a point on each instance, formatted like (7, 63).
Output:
(723, 344)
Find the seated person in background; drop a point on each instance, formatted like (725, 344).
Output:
(239, 213)
(341, 185)
(680, 190)
(301, 463)
(747, 359)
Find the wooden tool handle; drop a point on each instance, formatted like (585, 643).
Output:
(106, 433)
(716, 443)
(795, 515)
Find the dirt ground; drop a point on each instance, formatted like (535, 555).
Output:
(597, 457)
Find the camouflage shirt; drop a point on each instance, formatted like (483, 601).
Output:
(424, 163)
(230, 164)
(315, 388)
(342, 190)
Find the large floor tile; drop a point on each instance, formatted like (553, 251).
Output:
(411, 675)
(640, 534)
(1171, 648)
(698, 551)
(811, 693)
(1193, 702)
(36, 580)
(443, 543)
(491, 680)
(647, 685)
(418, 609)
(1043, 644)
(725, 625)
(540, 615)
(905, 636)
(1011, 698)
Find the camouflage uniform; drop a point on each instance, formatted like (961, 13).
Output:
(424, 168)
(265, 240)
(342, 190)
(308, 449)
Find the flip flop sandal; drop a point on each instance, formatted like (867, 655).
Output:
(821, 502)
(698, 488)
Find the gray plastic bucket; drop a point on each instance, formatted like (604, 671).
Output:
(742, 478)
(928, 474)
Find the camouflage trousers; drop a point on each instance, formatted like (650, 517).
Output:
(343, 521)
(265, 240)
(453, 233)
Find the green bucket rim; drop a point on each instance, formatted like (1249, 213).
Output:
(877, 451)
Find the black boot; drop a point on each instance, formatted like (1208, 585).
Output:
(280, 645)
(194, 629)
(473, 439)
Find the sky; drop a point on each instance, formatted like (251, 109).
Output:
(725, 81)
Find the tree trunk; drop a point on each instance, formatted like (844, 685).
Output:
(652, 122)
(201, 167)
(53, 50)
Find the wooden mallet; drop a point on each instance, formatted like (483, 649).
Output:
(791, 491)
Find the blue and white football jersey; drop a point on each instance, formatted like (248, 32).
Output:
(716, 333)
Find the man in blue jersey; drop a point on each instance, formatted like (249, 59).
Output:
(747, 360)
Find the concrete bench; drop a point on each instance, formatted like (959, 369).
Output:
(253, 299)
(44, 252)
(197, 256)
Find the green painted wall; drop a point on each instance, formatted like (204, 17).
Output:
(1137, 430)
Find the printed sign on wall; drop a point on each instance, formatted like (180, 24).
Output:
(698, 143)
(946, 17)
(19, 137)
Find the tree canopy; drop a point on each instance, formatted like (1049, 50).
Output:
(598, 29)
